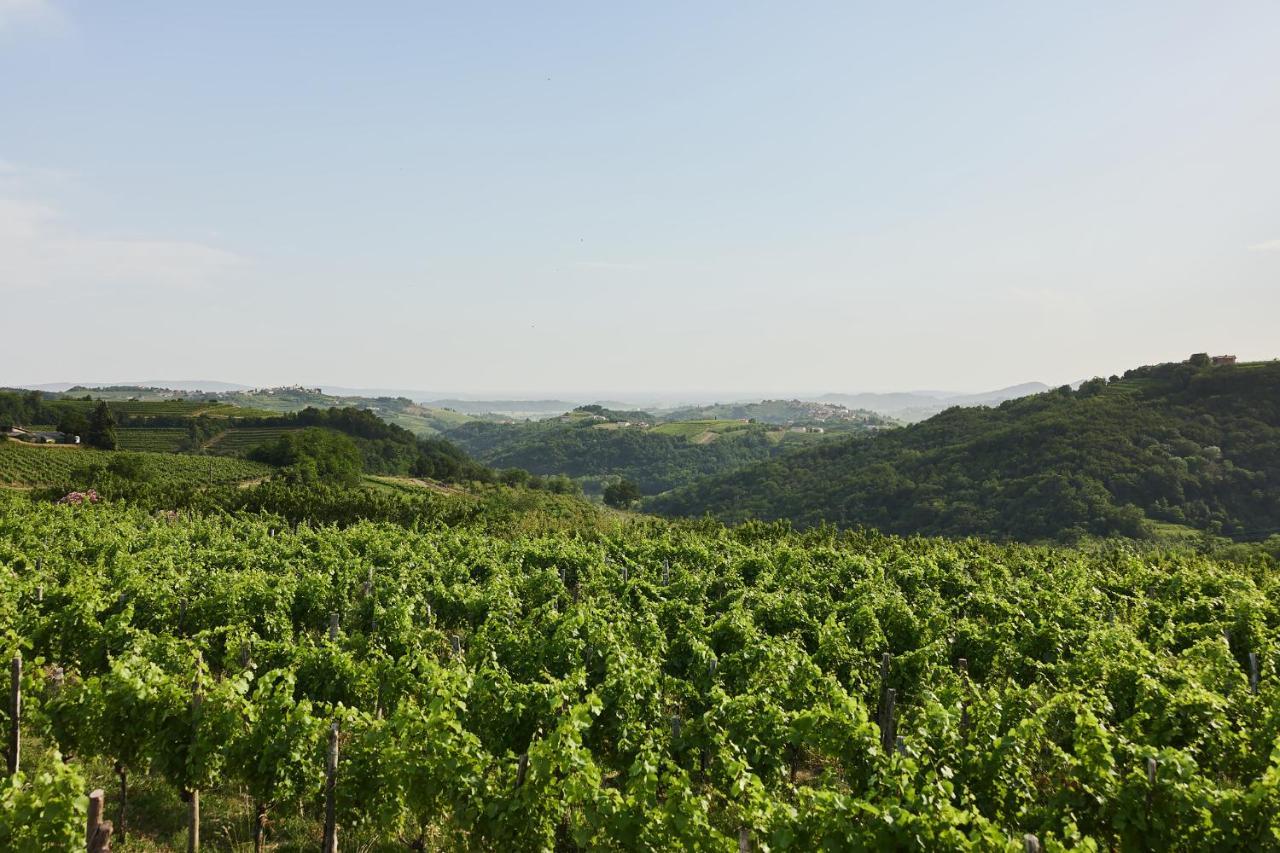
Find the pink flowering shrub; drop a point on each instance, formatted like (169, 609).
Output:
(77, 498)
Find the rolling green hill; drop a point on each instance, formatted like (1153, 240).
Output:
(831, 416)
(594, 445)
(401, 411)
(155, 402)
(218, 427)
(1182, 446)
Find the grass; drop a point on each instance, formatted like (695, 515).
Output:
(693, 429)
(421, 420)
(1170, 531)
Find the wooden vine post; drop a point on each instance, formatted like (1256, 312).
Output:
(97, 835)
(193, 813)
(886, 662)
(963, 666)
(122, 774)
(744, 840)
(95, 815)
(259, 827)
(522, 769)
(1152, 766)
(15, 712)
(1030, 843)
(888, 737)
(1253, 673)
(333, 626)
(330, 790)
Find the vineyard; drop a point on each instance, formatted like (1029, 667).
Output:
(159, 408)
(239, 441)
(662, 687)
(151, 439)
(28, 465)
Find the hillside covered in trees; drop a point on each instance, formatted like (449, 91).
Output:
(1167, 447)
(595, 445)
(331, 443)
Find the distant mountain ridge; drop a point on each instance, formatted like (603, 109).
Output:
(914, 406)
(189, 385)
(909, 406)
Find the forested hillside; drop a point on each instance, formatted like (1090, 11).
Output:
(1169, 447)
(217, 428)
(594, 445)
(401, 411)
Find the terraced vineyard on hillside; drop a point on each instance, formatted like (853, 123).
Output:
(151, 439)
(155, 408)
(238, 441)
(53, 465)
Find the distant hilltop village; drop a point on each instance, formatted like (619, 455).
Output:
(284, 389)
(1203, 359)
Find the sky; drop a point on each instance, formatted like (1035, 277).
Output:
(541, 198)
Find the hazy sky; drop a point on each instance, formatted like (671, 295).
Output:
(538, 197)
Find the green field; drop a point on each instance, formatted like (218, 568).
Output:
(51, 465)
(693, 429)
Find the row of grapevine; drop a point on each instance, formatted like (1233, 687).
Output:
(151, 439)
(35, 465)
(240, 440)
(154, 408)
(663, 687)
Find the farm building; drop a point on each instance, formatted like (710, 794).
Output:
(1219, 360)
(34, 437)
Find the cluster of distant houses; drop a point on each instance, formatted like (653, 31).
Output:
(39, 437)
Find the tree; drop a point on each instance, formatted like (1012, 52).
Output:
(621, 494)
(73, 422)
(102, 428)
(314, 455)
(128, 466)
